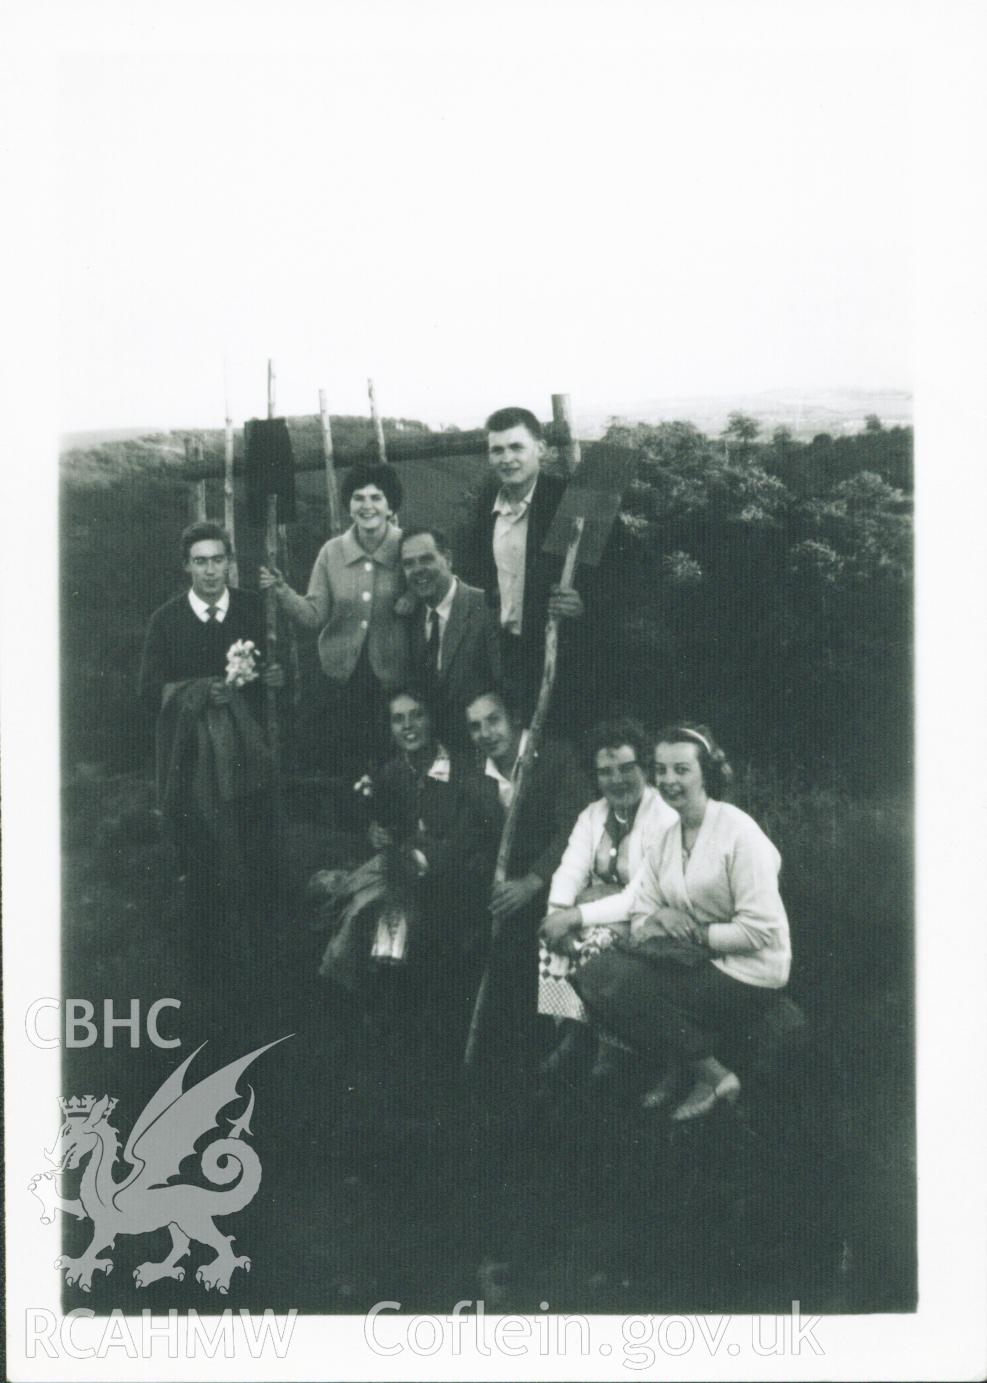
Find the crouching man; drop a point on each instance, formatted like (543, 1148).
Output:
(555, 794)
(202, 676)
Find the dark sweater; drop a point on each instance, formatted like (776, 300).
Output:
(179, 645)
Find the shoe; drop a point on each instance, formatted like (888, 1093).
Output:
(705, 1097)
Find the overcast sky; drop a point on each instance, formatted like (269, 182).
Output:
(480, 204)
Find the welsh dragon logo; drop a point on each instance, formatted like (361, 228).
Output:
(165, 1133)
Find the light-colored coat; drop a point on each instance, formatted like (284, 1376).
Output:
(730, 885)
(575, 872)
(350, 600)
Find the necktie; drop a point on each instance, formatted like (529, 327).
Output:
(616, 830)
(211, 613)
(432, 646)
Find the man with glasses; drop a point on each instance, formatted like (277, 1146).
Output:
(214, 771)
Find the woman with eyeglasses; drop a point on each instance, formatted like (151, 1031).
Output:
(605, 850)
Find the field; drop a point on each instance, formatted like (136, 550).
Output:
(386, 1181)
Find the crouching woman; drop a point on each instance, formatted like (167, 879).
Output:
(709, 941)
(407, 925)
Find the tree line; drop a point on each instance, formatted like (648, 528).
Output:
(773, 579)
(763, 583)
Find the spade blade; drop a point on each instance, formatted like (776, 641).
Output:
(594, 493)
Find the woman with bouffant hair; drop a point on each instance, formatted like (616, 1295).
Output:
(355, 583)
(709, 941)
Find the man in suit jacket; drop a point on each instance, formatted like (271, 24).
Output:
(555, 794)
(455, 649)
(505, 555)
(214, 768)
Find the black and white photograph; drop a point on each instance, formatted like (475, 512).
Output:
(494, 651)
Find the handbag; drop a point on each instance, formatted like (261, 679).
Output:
(673, 948)
(616, 981)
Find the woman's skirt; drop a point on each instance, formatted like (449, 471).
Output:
(667, 1002)
(556, 996)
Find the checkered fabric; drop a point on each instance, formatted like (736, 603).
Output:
(556, 996)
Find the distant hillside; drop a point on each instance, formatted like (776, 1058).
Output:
(81, 441)
(306, 433)
(131, 451)
(806, 413)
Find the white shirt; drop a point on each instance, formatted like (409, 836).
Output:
(505, 786)
(200, 608)
(510, 542)
(442, 610)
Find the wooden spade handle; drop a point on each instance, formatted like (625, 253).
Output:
(523, 777)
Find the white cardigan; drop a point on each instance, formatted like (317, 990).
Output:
(575, 870)
(730, 884)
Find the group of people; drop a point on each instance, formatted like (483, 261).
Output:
(642, 923)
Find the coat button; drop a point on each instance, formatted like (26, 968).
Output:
(364, 624)
(368, 566)
(366, 595)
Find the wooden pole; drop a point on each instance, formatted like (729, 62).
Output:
(334, 510)
(523, 778)
(271, 561)
(228, 492)
(562, 417)
(378, 425)
(197, 489)
(200, 499)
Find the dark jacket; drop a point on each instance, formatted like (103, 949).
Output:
(458, 839)
(213, 764)
(583, 643)
(470, 660)
(541, 569)
(555, 794)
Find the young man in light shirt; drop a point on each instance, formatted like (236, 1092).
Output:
(505, 553)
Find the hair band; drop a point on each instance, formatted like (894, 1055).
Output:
(701, 738)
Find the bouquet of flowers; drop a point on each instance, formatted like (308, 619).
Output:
(241, 663)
